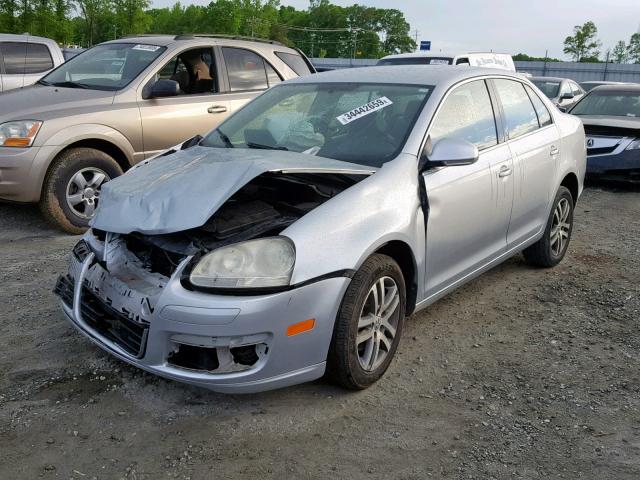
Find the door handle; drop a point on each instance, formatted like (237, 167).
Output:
(554, 151)
(217, 109)
(504, 171)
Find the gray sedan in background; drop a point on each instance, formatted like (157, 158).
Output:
(563, 92)
(295, 238)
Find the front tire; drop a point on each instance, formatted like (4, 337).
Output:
(369, 324)
(552, 247)
(72, 186)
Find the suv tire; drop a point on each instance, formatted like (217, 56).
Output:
(65, 202)
(366, 334)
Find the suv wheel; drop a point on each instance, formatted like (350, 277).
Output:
(71, 190)
(369, 324)
(551, 248)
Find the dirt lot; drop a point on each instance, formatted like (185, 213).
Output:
(523, 373)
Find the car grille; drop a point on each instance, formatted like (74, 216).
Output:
(601, 150)
(105, 320)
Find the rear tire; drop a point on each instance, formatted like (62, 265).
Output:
(552, 247)
(369, 324)
(72, 185)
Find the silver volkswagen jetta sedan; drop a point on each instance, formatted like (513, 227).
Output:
(296, 238)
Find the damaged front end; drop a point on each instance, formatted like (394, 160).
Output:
(115, 288)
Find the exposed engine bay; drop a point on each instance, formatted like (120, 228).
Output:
(263, 207)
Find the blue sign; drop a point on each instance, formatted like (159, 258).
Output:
(425, 45)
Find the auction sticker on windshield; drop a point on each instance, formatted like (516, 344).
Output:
(146, 48)
(366, 109)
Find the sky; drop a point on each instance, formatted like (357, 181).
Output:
(512, 26)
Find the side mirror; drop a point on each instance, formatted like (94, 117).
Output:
(449, 152)
(566, 96)
(164, 88)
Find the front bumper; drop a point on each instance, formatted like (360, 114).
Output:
(619, 164)
(183, 317)
(22, 172)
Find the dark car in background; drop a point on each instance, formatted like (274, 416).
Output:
(591, 84)
(611, 118)
(563, 92)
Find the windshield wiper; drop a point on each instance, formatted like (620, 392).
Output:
(43, 82)
(70, 84)
(265, 147)
(225, 139)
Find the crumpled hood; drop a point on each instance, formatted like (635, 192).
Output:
(40, 102)
(183, 190)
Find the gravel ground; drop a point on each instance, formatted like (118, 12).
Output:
(523, 373)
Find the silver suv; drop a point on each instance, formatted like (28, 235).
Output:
(122, 102)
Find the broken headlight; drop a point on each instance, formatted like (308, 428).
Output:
(261, 263)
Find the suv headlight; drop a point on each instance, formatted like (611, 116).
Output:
(261, 263)
(20, 133)
(635, 145)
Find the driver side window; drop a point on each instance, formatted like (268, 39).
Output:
(194, 70)
(467, 114)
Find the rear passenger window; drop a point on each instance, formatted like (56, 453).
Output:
(467, 114)
(272, 75)
(13, 54)
(294, 62)
(544, 117)
(38, 58)
(520, 116)
(245, 69)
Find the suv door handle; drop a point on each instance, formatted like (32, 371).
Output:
(217, 109)
(554, 151)
(504, 171)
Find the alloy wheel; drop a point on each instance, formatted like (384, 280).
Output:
(378, 323)
(83, 191)
(560, 227)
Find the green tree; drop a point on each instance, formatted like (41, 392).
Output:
(131, 16)
(620, 53)
(634, 48)
(583, 44)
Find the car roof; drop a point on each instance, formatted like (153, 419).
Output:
(633, 88)
(169, 40)
(551, 79)
(436, 75)
(25, 37)
(439, 54)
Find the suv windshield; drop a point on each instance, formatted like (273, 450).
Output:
(550, 89)
(359, 123)
(109, 66)
(615, 103)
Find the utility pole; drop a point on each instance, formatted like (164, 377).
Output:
(415, 36)
(313, 39)
(544, 66)
(606, 65)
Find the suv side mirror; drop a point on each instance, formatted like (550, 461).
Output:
(164, 88)
(566, 96)
(449, 152)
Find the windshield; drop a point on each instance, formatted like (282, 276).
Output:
(416, 61)
(615, 103)
(550, 89)
(104, 67)
(359, 123)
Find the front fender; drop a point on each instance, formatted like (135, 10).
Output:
(343, 232)
(68, 136)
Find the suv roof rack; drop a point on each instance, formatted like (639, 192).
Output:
(190, 36)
